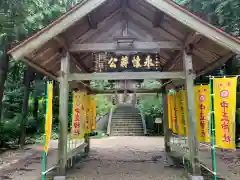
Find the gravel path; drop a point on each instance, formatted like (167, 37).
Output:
(126, 158)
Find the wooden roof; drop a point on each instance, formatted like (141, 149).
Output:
(95, 21)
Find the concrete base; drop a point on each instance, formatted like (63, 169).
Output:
(191, 177)
(168, 161)
(59, 178)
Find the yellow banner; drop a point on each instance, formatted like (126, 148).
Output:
(87, 113)
(184, 104)
(93, 108)
(169, 111)
(202, 99)
(179, 112)
(224, 90)
(90, 113)
(174, 114)
(77, 116)
(48, 121)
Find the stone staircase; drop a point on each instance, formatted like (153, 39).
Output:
(126, 121)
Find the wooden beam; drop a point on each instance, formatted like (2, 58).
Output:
(137, 46)
(172, 62)
(80, 62)
(197, 24)
(145, 23)
(40, 69)
(166, 120)
(106, 34)
(105, 24)
(125, 75)
(158, 18)
(192, 38)
(92, 23)
(79, 65)
(54, 29)
(214, 65)
(191, 109)
(49, 60)
(113, 91)
(63, 114)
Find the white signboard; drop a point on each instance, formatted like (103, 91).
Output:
(158, 120)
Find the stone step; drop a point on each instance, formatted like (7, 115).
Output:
(127, 134)
(126, 117)
(136, 113)
(127, 123)
(117, 123)
(129, 131)
(126, 112)
(127, 128)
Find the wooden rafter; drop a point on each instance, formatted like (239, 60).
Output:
(158, 18)
(197, 24)
(77, 61)
(49, 61)
(107, 33)
(40, 69)
(192, 38)
(108, 22)
(215, 64)
(148, 24)
(93, 24)
(79, 65)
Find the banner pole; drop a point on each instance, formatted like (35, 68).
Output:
(213, 141)
(44, 154)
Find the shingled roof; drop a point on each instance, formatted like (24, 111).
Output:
(94, 21)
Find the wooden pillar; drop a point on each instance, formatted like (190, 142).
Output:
(63, 113)
(191, 109)
(165, 122)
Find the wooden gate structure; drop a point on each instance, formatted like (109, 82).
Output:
(188, 47)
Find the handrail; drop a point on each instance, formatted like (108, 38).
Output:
(143, 121)
(101, 117)
(109, 121)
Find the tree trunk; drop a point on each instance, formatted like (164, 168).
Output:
(27, 77)
(35, 100)
(4, 63)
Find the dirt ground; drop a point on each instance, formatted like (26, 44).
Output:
(113, 158)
